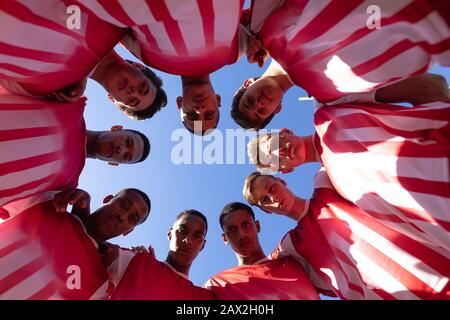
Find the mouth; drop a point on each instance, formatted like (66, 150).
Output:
(183, 250)
(244, 243)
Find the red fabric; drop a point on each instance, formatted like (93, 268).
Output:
(192, 39)
(42, 146)
(37, 247)
(40, 53)
(398, 161)
(360, 258)
(278, 279)
(327, 49)
(149, 279)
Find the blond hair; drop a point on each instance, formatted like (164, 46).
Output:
(254, 153)
(249, 188)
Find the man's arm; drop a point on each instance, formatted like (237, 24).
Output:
(417, 90)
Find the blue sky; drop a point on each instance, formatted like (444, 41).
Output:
(207, 188)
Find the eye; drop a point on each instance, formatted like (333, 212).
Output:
(192, 116)
(143, 88)
(209, 115)
(261, 111)
(125, 204)
(128, 142)
(133, 102)
(272, 188)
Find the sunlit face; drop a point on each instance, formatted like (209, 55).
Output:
(261, 99)
(272, 195)
(121, 146)
(130, 88)
(283, 152)
(121, 214)
(187, 239)
(241, 232)
(199, 103)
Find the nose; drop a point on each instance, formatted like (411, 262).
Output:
(199, 107)
(187, 240)
(118, 150)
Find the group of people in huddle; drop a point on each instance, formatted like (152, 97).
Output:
(378, 223)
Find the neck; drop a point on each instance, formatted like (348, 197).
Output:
(255, 257)
(89, 224)
(180, 268)
(186, 81)
(105, 66)
(310, 154)
(91, 142)
(296, 213)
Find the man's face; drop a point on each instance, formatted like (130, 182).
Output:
(130, 87)
(284, 152)
(187, 239)
(121, 214)
(199, 103)
(261, 99)
(241, 231)
(272, 195)
(120, 146)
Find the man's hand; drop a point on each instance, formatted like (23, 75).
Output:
(108, 253)
(140, 249)
(255, 51)
(71, 93)
(75, 197)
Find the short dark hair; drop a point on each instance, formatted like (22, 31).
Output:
(232, 207)
(240, 118)
(146, 199)
(194, 213)
(147, 145)
(203, 131)
(159, 102)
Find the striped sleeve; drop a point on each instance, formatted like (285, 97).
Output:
(398, 161)
(331, 48)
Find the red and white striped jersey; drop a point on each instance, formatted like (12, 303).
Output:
(361, 258)
(332, 48)
(269, 279)
(189, 37)
(46, 254)
(142, 277)
(398, 161)
(40, 53)
(42, 146)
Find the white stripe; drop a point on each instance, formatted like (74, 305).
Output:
(29, 64)
(161, 36)
(26, 119)
(10, 236)
(23, 194)
(29, 36)
(53, 10)
(17, 99)
(226, 20)
(188, 16)
(101, 292)
(19, 178)
(95, 7)
(31, 285)
(413, 265)
(372, 274)
(29, 147)
(19, 258)
(19, 206)
(138, 11)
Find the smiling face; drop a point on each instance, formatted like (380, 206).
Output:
(199, 103)
(187, 239)
(240, 230)
(261, 99)
(272, 195)
(120, 215)
(129, 87)
(120, 146)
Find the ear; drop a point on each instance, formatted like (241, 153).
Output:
(286, 171)
(278, 109)
(204, 242)
(127, 232)
(114, 164)
(108, 198)
(224, 239)
(179, 102)
(219, 99)
(117, 127)
(258, 226)
(169, 234)
(247, 83)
